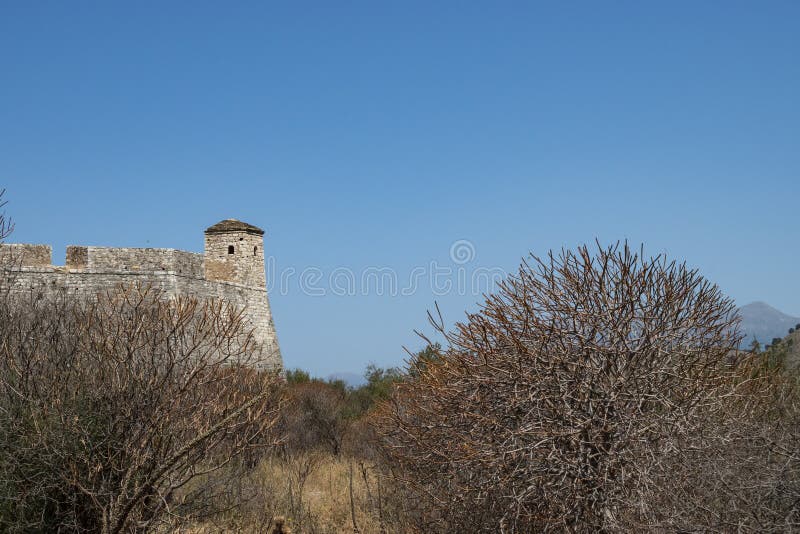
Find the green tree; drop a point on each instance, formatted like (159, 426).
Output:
(378, 387)
(297, 376)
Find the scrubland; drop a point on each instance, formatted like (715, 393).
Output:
(597, 390)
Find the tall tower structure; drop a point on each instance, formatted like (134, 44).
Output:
(234, 252)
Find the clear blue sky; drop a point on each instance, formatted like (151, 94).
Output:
(377, 134)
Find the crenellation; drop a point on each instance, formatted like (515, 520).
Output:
(77, 257)
(26, 255)
(130, 259)
(88, 270)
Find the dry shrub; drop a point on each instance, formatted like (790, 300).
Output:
(115, 411)
(741, 472)
(323, 450)
(313, 418)
(553, 404)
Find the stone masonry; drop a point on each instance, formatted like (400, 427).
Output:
(231, 268)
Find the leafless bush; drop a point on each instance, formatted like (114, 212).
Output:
(115, 411)
(553, 404)
(742, 472)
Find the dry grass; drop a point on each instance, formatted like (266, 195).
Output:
(312, 492)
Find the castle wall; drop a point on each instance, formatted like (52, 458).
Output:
(188, 264)
(128, 259)
(92, 270)
(135, 259)
(253, 300)
(81, 283)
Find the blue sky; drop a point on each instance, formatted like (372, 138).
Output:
(375, 135)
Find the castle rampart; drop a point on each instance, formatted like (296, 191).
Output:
(135, 260)
(237, 277)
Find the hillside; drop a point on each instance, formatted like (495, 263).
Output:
(763, 322)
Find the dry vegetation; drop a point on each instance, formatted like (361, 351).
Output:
(123, 411)
(596, 391)
(315, 500)
(112, 410)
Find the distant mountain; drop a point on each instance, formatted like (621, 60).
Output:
(763, 322)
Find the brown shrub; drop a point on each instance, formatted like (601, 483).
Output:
(114, 412)
(313, 418)
(552, 402)
(741, 471)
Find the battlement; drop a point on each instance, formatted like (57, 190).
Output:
(26, 255)
(231, 268)
(135, 260)
(106, 259)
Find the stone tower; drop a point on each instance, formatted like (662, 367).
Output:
(234, 252)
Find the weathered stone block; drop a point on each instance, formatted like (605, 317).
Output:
(26, 255)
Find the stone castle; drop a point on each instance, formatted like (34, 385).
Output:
(231, 268)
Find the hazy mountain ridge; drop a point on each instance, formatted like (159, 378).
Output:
(763, 322)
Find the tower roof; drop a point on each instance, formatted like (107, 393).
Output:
(233, 225)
